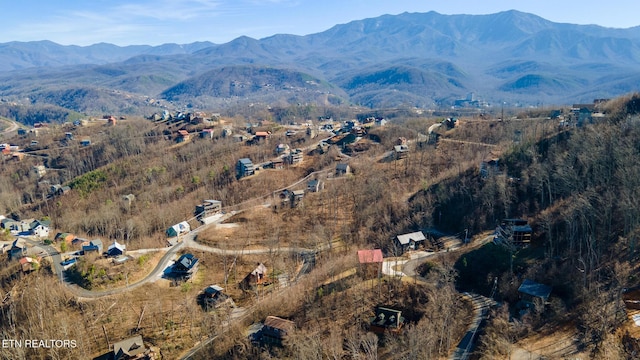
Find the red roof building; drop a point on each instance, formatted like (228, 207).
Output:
(369, 256)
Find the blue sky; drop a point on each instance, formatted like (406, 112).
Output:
(154, 22)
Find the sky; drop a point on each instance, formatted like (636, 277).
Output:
(155, 22)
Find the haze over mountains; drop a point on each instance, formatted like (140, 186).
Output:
(411, 59)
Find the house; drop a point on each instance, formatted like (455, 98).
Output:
(77, 242)
(58, 189)
(94, 245)
(256, 277)
(386, 319)
(206, 134)
(29, 264)
(294, 157)
(410, 241)
(85, 142)
(116, 249)
(18, 249)
(40, 171)
(282, 149)
(244, 167)
(178, 229)
(131, 348)
(277, 164)
(213, 296)
(66, 237)
(207, 208)
(315, 185)
(183, 136)
(293, 198)
(11, 225)
(262, 135)
(111, 120)
(343, 169)
(185, 266)
(370, 256)
(226, 132)
(532, 293)
(401, 151)
(39, 229)
(276, 330)
(515, 232)
(370, 262)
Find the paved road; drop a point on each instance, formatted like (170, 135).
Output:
(481, 306)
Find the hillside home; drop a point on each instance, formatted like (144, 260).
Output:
(131, 348)
(40, 171)
(370, 262)
(29, 264)
(92, 246)
(18, 249)
(213, 297)
(294, 157)
(292, 198)
(208, 208)
(39, 229)
(410, 241)
(401, 151)
(533, 294)
(277, 164)
(178, 229)
(343, 169)
(116, 249)
(386, 319)
(183, 136)
(77, 242)
(276, 330)
(256, 277)
(185, 266)
(315, 185)
(206, 134)
(281, 149)
(515, 232)
(66, 237)
(85, 142)
(262, 135)
(244, 167)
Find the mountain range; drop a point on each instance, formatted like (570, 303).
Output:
(412, 59)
